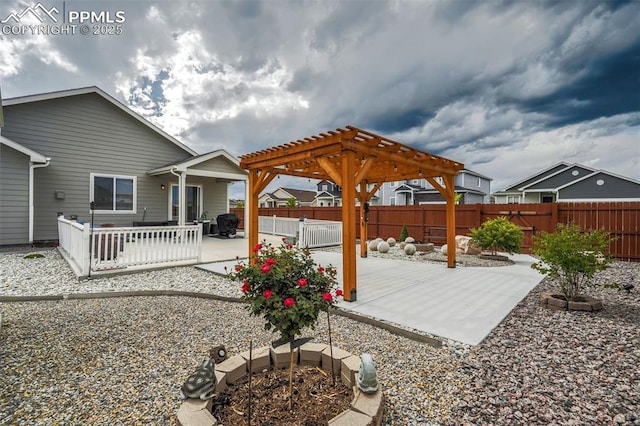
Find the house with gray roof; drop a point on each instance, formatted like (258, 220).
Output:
(59, 151)
(281, 196)
(570, 182)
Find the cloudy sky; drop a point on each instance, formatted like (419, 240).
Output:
(506, 87)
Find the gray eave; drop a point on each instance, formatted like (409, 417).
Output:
(34, 156)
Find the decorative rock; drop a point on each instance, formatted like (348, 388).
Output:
(409, 240)
(379, 239)
(402, 245)
(367, 381)
(410, 249)
(444, 249)
(425, 248)
(383, 247)
(196, 412)
(463, 243)
(373, 245)
(391, 241)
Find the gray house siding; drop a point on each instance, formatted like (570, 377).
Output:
(14, 196)
(611, 187)
(87, 134)
(561, 178)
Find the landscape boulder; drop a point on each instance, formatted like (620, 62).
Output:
(383, 247)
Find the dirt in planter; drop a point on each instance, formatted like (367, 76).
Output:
(315, 399)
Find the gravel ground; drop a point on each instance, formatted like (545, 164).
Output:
(123, 360)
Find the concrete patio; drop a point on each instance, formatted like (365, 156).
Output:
(462, 304)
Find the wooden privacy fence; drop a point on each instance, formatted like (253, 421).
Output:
(428, 222)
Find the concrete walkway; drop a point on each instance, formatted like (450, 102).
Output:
(462, 304)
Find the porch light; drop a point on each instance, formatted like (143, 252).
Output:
(162, 186)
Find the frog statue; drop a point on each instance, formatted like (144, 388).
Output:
(202, 383)
(366, 379)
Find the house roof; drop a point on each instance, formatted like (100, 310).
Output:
(535, 178)
(595, 173)
(186, 166)
(301, 195)
(34, 156)
(93, 89)
(471, 172)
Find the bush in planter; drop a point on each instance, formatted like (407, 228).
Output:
(288, 290)
(498, 234)
(572, 257)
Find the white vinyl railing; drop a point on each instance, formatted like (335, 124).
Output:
(74, 243)
(320, 233)
(278, 225)
(310, 233)
(105, 249)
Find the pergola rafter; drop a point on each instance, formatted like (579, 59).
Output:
(354, 159)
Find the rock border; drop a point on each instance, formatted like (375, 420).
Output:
(556, 301)
(365, 410)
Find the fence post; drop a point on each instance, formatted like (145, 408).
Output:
(300, 237)
(273, 226)
(85, 260)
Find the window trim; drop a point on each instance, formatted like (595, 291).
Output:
(200, 200)
(92, 177)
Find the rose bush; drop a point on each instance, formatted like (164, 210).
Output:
(286, 288)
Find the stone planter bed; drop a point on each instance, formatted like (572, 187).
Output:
(366, 409)
(559, 302)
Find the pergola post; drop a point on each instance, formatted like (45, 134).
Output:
(364, 225)
(451, 220)
(252, 206)
(348, 226)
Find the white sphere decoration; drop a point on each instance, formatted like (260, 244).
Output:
(444, 249)
(379, 239)
(373, 245)
(410, 249)
(409, 240)
(383, 247)
(391, 241)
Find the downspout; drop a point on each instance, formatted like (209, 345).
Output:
(32, 167)
(180, 195)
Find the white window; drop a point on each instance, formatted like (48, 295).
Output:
(479, 182)
(416, 181)
(325, 187)
(392, 201)
(513, 199)
(113, 193)
(394, 184)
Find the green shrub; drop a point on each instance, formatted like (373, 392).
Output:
(572, 257)
(498, 234)
(404, 233)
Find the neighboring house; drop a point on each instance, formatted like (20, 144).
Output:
(281, 196)
(59, 151)
(570, 182)
(328, 195)
(473, 187)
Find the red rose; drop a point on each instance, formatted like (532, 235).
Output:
(267, 294)
(289, 246)
(321, 269)
(257, 248)
(327, 297)
(302, 282)
(239, 268)
(284, 238)
(265, 268)
(270, 261)
(246, 287)
(339, 292)
(289, 302)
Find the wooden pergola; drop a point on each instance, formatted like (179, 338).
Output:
(360, 162)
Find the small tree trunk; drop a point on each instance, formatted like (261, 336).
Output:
(290, 377)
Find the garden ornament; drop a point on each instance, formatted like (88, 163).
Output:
(367, 381)
(202, 383)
